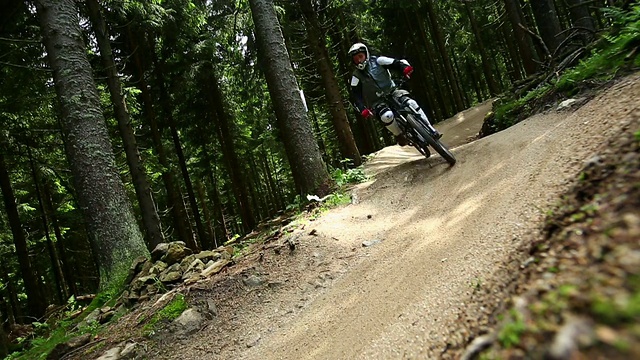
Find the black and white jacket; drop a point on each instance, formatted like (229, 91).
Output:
(369, 84)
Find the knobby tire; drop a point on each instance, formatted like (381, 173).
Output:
(439, 147)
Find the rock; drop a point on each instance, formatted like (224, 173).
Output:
(184, 263)
(157, 267)
(131, 299)
(159, 251)
(569, 103)
(61, 349)
(170, 277)
(253, 281)
(195, 268)
(368, 243)
(575, 331)
(208, 255)
(135, 269)
(477, 345)
(189, 321)
(253, 342)
(226, 251)
(129, 352)
(111, 354)
(176, 251)
(215, 267)
(93, 317)
(106, 313)
(193, 278)
(212, 308)
(149, 279)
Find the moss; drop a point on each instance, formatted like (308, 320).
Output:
(169, 313)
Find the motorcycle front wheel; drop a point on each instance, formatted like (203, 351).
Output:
(438, 146)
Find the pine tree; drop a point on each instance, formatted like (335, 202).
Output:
(308, 168)
(114, 234)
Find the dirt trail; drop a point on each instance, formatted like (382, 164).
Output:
(442, 231)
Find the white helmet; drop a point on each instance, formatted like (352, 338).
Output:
(359, 48)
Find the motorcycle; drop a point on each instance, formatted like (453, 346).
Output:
(416, 129)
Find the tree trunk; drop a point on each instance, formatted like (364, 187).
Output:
(544, 11)
(235, 167)
(150, 218)
(174, 196)
(512, 60)
(207, 243)
(309, 171)
(448, 107)
(113, 231)
(219, 220)
(165, 105)
(69, 276)
(434, 109)
(439, 40)
(275, 195)
(13, 309)
(316, 38)
(35, 300)
(581, 17)
(4, 341)
(486, 66)
(61, 290)
(365, 145)
(525, 45)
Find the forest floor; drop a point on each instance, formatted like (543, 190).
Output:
(426, 257)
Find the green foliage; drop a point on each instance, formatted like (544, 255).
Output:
(336, 199)
(510, 111)
(169, 313)
(41, 347)
(612, 54)
(510, 334)
(617, 310)
(297, 204)
(350, 176)
(604, 63)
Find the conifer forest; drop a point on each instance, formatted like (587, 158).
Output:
(126, 124)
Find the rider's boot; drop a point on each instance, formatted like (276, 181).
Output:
(414, 105)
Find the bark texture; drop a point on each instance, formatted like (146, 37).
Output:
(544, 11)
(35, 300)
(444, 54)
(316, 36)
(223, 122)
(308, 168)
(150, 218)
(113, 232)
(581, 17)
(494, 89)
(174, 196)
(525, 45)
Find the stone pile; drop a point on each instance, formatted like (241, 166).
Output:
(172, 264)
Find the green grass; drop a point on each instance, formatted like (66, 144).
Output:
(511, 333)
(609, 311)
(169, 313)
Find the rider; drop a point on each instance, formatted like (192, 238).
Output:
(371, 79)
